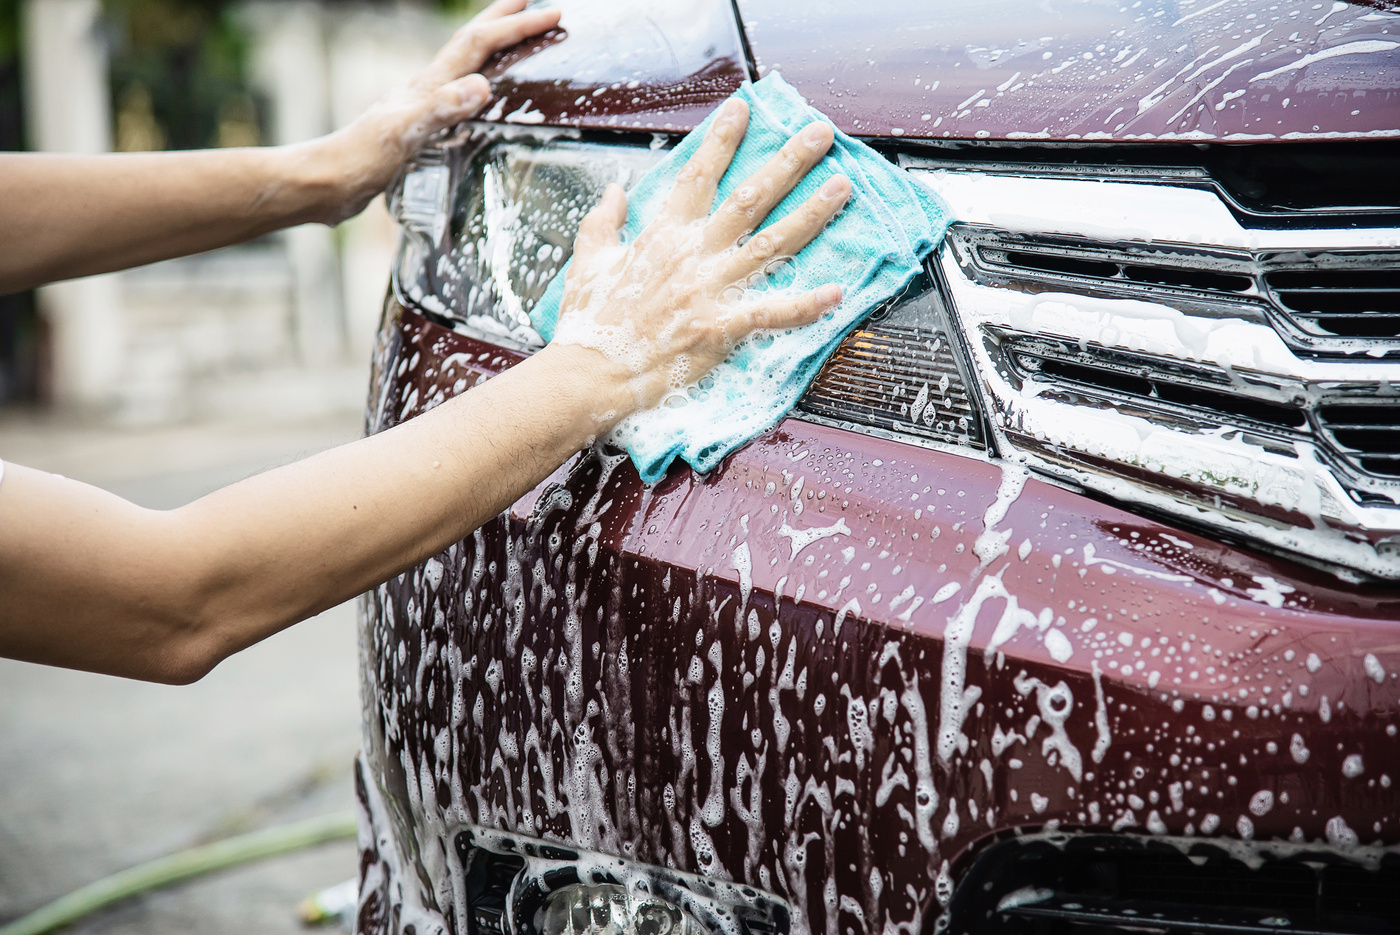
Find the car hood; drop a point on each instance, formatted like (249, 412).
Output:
(1062, 70)
(1088, 69)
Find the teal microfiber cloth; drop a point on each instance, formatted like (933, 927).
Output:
(872, 249)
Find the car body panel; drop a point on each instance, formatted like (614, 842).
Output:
(661, 65)
(837, 666)
(1156, 70)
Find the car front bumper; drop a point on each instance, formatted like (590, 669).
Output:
(839, 667)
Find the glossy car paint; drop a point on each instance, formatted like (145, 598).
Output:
(657, 66)
(1127, 70)
(839, 664)
(1118, 70)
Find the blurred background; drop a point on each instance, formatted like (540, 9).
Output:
(289, 317)
(164, 383)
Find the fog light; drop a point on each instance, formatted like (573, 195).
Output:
(608, 909)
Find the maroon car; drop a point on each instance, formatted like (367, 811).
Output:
(1067, 600)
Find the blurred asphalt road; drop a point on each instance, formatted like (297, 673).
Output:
(99, 773)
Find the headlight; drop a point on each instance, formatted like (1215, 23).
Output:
(490, 218)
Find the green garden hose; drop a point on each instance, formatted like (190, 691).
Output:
(183, 865)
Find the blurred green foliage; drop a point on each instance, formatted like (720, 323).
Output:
(9, 30)
(462, 8)
(179, 72)
(179, 75)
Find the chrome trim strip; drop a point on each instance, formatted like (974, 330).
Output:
(1127, 212)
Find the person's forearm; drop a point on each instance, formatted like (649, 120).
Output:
(165, 596)
(67, 216)
(383, 504)
(108, 212)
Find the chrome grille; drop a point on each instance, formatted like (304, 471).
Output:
(1325, 304)
(1354, 301)
(1144, 339)
(1365, 432)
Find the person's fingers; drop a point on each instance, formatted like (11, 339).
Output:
(599, 229)
(494, 35)
(694, 193)
(785, 237)
(459, 100)
(486, 35)
(784, 311)
(498, 9)
(750, 203)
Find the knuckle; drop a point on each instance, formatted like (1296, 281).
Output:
(476, 39)
(746, 196)
(689, 172)
(766, 245)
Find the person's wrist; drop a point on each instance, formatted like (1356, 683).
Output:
(310, 181)
(602, 390)
(330, 177)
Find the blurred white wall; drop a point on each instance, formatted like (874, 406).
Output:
(285, 324)
(67, 105)
(370, 51)
(289, 63)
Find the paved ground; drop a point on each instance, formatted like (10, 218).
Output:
(98, 773)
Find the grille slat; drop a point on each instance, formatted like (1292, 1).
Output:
(1326, 304)
(1363, 427)
(1110, 270)
(1366, 434)
(1118, 377)
(1351, 326)
(1351, 302)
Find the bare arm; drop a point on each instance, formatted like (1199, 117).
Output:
(63, 216)
(90, 581)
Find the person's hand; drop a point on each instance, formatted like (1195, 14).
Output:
(362, 158)
(666, 308)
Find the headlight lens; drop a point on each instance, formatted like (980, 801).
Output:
(509, 202)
